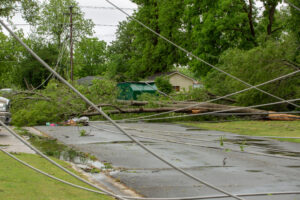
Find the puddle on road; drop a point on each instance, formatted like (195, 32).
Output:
(196, 129)
(269, 148)
(86, 163)
(254, 171)
(293, 166)
(124, 142)
(284, 153)
(257, 142)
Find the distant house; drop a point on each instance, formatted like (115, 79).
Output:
(179, 81)
(88, 80)
(131, 90)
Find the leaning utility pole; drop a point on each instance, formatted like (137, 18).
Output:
(71, 41)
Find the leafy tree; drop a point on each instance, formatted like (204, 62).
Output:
(31, 72)
(90, 57)
(294, 20)
(54, 21)
(29, 8)
(10, 60)
(142, 52)
(120, 52)
(52, 26)
(256, 66)
(215, 26)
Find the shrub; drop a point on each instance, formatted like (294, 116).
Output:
(163, 84)
(256, 66)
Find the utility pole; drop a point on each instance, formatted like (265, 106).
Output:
(71, 41)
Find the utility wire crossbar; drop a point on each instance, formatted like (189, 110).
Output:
(114, 123)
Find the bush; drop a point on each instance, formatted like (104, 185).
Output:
(256, 66)
(163, 84)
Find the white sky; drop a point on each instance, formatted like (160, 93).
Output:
(106, 16)
(99, 16)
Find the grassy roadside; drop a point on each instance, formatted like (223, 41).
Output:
(19, 182)
(255, 128)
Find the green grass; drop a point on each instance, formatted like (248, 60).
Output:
(18, 182)
(255, 128)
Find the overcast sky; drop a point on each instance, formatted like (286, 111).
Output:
(106, 16)
(98, 15)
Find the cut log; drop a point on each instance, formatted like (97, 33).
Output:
(283, 117)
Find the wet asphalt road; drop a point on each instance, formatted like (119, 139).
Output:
(197, 151)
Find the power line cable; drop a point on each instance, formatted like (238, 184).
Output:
(159, 91)
(219, 98)
(187, 174)
(60, 56)
(291, 4)
(198, 145)
(171, 133)
(213, 112)
(52, 161)
(141, 198)
(50, 176)
(106, 8)
(104, 25)
(220, 196)
(196, 57)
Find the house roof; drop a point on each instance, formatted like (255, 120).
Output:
(153, 77)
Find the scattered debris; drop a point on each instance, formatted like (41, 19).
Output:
(224, 161)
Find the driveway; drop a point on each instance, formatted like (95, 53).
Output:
(238, 164)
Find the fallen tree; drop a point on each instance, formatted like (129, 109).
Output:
(190, 108)
(177, 107)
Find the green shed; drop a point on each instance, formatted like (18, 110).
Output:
(131, 90)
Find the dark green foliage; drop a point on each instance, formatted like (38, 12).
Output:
(90, 57)
(214, 26)
(163, 84)
(8, 61)
(31, 72)
(294, 19)
(256, 66)
(138, 53)
(57, 103)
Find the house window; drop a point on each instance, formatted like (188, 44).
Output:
(176, 88)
